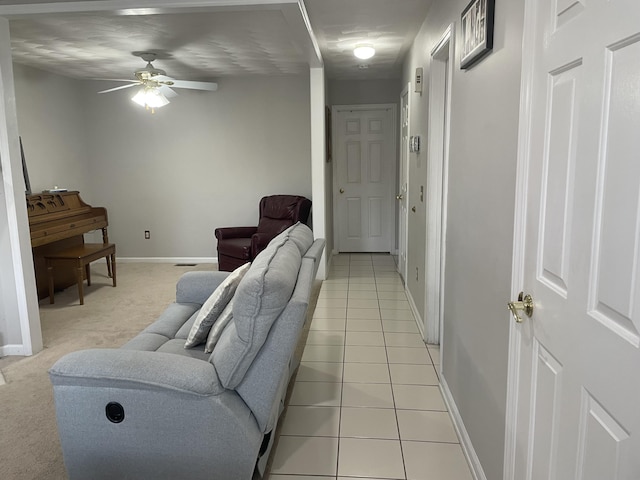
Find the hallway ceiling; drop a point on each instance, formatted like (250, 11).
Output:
(214, 42)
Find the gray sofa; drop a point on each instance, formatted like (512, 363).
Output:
(155, 410)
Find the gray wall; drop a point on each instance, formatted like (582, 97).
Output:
(201, 162)
(481, 195)
(52, 118)
(357, 92)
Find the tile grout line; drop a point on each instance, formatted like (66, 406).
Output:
(344, 352)
(393, 397)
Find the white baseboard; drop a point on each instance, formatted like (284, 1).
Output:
(414, 310)
(463, 435)
(167, 259)
(6, 350)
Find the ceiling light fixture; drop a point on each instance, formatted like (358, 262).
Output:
(364, 51)
(150, 98)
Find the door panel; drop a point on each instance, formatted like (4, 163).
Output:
(365, 176)
(579, 354)
(403, 191)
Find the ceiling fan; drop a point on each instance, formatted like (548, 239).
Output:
(156, 86)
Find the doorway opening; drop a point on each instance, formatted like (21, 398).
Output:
(437, 175)
(364, 177)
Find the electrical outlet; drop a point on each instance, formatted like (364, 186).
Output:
(147, 234)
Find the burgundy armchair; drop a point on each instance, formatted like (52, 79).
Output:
(239, 245)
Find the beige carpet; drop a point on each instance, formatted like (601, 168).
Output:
(29, 446)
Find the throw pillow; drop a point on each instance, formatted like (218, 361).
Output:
(216, 330)
(214, 306)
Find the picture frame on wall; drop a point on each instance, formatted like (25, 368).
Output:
(329, 146)
(25, 173)
(477, 31)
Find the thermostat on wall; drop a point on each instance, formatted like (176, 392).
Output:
(418, 80)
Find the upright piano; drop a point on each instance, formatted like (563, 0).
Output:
(58, 220)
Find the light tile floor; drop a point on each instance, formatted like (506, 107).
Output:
(366, 401)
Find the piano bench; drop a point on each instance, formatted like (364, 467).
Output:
(79, 258)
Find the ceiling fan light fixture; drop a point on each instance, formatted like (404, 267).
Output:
(150, 97)
(364, 51)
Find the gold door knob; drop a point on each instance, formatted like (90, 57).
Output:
(524, 303)
(400, 197)
(342, 190)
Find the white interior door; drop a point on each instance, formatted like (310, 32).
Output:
(576, 361)
(403, 182)
(365, 177)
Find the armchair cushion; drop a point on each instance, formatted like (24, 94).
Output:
(273, 226)
(236, 248)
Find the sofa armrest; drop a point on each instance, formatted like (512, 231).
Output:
(140, 414)
(196, 287)
(118, 368)
(234, 232)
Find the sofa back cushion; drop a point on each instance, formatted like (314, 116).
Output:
(260, 298)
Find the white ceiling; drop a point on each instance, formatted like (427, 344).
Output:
(268, 38)
(390, 25)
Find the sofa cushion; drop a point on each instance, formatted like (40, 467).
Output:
(170, 323)
(217, 328)
(176, 347)
(260, 298)
(214, 306)
(302, 236)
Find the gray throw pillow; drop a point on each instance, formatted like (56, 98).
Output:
(213, 307)
(216, 330)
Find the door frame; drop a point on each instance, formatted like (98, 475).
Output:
(440, 85)
(402, 266)
(335, 110)
(519, 236)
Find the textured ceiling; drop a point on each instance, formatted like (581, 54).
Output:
(389, 25)
(197, 46)
(206, 45)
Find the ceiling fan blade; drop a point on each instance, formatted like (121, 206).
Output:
(167, 92)
(162, 78)
(119, 88)
(195, 85)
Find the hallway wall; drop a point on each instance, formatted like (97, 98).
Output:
(480, 218)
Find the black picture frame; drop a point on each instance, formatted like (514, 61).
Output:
(327, 126)
(476, 24)
(25, 173)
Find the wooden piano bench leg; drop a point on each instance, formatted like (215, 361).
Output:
(113, 267)
(50, 278)
(80, 278)
(87, 269)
